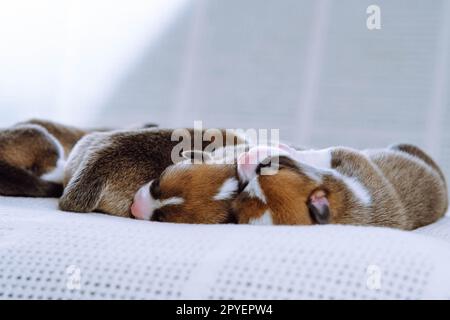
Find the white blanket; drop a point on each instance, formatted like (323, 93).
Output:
(46, 253)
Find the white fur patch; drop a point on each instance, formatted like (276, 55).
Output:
(157, 203)
(170, 201)
(312, 172)
(254, 190)
(360, 192)
(57, 174)
(265, 219)
(227, 190)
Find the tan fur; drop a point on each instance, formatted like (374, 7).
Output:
(198, 201)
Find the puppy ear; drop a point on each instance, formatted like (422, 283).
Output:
(197, 156)
(319, 207)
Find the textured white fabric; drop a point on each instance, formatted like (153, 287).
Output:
(44, 252)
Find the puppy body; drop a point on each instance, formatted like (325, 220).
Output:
(67, 136)
(399, 187)
(105, 170)
(204, 191)
(32, 157)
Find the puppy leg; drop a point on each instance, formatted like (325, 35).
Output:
(83, 192)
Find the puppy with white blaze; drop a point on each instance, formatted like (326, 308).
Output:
(399, 186)
(203, 192)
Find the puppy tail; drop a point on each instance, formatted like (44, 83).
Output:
(18, 182)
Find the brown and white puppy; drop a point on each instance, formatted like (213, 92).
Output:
(194, 193)
(32, 157)
(400, 187)
(105, 170)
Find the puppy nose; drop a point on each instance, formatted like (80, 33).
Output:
(141, 207)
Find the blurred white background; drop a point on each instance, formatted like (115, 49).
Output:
(310, 68)
(62, 59)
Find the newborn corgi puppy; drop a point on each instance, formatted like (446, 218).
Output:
(32, 157)
(400, 187)
(105, 170)
(196, 193)
(181, 195)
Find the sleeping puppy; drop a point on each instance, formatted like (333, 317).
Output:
(105, 170)
(399, 187)
(32, 157)
(195, 193)
(33, 154)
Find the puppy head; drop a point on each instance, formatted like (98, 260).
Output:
(288, 192)
(32, 148)
(188, 193)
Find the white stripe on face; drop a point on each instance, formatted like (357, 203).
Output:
(144, 204)
(169, 201)
(254, 190)
(265, 219)
(227, 190)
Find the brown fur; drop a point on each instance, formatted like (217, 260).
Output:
(27, 151)
(31, 149)
(66, 135)
(198, 200)
(197, 185)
